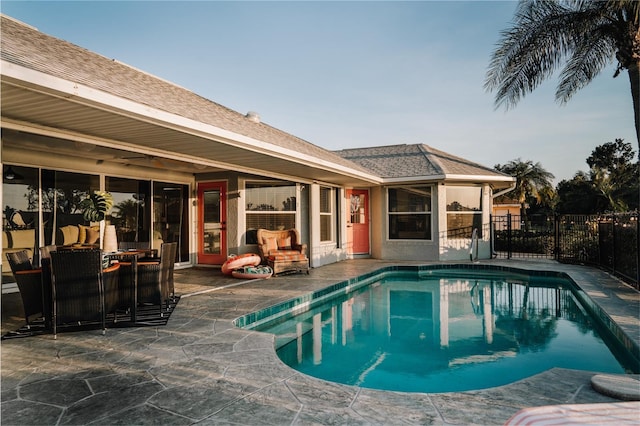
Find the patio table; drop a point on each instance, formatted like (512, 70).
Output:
(131, 256)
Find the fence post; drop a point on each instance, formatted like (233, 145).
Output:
(491, 235)
(556, 238)
(508, 235)
(613, 238)
(637, 216)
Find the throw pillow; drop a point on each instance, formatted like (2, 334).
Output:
(70, 235)
(82, 234)
(284, 243)
(270, 244)
(93, 235)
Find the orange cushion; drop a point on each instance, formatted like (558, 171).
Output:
(270, 243)
(284, 243)
(29, 271)
(291, 256)
(111, 268)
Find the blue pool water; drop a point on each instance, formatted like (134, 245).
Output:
(444, 330)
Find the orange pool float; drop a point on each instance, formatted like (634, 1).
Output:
(240, 261)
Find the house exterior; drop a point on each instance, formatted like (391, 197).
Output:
(506, 211)
(184, 169)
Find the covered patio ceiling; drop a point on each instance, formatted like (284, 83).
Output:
(76, 125)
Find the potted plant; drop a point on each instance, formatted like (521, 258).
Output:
(96, 206)
(94, 209)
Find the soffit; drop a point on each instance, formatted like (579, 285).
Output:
(119, 134)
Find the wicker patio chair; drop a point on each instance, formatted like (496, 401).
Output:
(47, 301)
(45, 251)
(283, 250)
(173, 249)
(29, 281)
(82, 291)
(155, 277)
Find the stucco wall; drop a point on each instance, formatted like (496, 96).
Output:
(322, 253)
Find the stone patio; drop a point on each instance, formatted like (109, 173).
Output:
(200, 369)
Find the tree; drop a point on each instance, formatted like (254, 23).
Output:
(579, 196)
(532, 182)
(614, 174)
(127, 213)
(611, 184)
(584, 35)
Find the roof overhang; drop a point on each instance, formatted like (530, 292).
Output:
(497, 182)
(42, 104)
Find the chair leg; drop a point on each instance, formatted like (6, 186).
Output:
(54, 319)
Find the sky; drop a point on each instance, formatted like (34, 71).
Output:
(354, 74)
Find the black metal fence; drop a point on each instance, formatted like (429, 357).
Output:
(609, 241)
(512, 236)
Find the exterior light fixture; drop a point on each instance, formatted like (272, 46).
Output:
(9, 174)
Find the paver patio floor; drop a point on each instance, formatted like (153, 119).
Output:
(200, 369)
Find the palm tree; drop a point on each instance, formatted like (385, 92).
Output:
(584, 35)
(532, 181)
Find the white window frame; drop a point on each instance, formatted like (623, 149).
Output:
(330, 214)
(463, 212)
(428, 213)
(266, 184)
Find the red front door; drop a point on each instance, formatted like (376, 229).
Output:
(212, 223)
(358, 221)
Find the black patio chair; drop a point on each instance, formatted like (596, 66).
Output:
(155, 278)
(82, 291)
(45, 262)
(171, 292)
(29, 281)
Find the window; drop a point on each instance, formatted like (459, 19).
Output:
(270, 206)
(131, 213)
(464, 210)
(21, 200)
(410, 213)
(170, 214)
(326, 214)
(62, 195)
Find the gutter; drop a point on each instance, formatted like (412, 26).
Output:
(504, 191)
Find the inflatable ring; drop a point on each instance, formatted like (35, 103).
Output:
(237, 262)
(253, 272)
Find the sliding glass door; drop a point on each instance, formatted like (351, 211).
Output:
(170, 216)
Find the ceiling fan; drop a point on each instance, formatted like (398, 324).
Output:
(150, 159)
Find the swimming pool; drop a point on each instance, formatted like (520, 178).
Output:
(430, 329)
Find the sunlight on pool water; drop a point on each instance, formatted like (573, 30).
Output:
(442, 333)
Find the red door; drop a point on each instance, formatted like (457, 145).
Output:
(358, 221)
(212, 223)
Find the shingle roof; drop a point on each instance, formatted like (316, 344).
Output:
(414, 161)
(24, 45)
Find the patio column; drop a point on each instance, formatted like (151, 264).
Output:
(314, 224)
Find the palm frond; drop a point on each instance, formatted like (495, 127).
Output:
(586, 34)
(530, 51)
(588, 60)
